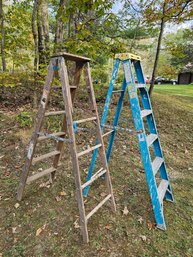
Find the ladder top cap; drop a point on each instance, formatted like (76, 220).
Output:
(126, 56)
(71, 57)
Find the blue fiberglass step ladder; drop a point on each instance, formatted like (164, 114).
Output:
(131, 65)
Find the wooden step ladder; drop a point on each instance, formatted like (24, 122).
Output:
(57, 66)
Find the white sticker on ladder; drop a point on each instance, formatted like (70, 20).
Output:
(127, 72)
(30, 150)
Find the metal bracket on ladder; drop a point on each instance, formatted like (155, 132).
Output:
(146, 139)
(57, 64)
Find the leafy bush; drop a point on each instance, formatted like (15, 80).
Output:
(25, 119)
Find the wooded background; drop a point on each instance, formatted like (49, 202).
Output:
(160, 31)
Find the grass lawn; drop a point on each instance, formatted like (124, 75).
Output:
(111, 235)
(177, 90)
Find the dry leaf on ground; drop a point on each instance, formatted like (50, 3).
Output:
(39, 230)
(58, 198)
(140, 220)
(125, 210)
(76, 224)
(16, 205)
(143, 238)
(62, 193)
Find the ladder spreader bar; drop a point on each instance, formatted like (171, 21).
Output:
(53, 136)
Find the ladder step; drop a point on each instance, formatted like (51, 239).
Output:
(40, 174)
(98, 206)
(74, 87)
(145, 113)
(57, 134)
(162, 188)
(89, 150)
(98, 174)
(45, 156)
(140, 85)
(156, 164)
(117, 91)
(151, 138)
(85, 120)
(54, 113)
(109, 132)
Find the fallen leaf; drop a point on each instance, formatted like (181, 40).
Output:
(103, 194)
(16, 205)
(108, 227)
(58, 198)
(140, 220)
(144, 238)
(39, 230)
(14, 230)
(2, 156)
(76, 224)
(150, 225)
(125, 210)
(62, 193)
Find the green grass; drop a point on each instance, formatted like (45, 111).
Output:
(177, 90)
(111, 235)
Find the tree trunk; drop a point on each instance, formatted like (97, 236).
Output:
(59, 34)
(43, 32)
(2, 36)
(35, 36)
(157, 51)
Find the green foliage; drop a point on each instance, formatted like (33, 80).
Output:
(179, 46)
(165, 68)
(18, 35)
(25, 119)
(100, 74)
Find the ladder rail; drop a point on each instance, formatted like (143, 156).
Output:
(65, 84)
(116, 119)
(101, 150)
(138, 122)
(152, 126)
(38, 125)
(103, 119)
(60, 144)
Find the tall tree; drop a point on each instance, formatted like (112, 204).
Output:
(59, 33)
(35, 36)
(172, 11)
(43, 32)
(2, 37)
